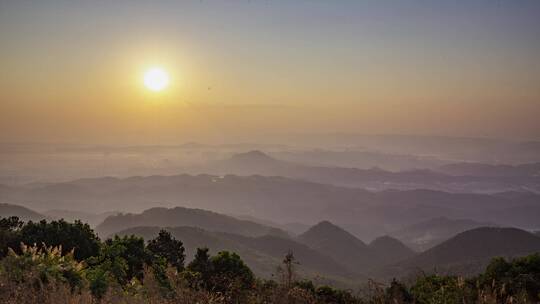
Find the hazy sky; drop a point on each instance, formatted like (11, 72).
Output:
(72, 70)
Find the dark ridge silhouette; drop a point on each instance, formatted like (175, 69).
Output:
(390, 250)
(179, 216)
(426, 234)
(254, 157)
(364, 213)
(340, 245)
(490, 170)
(257, 162)
(469, 252)
(24, 214)
(92, 219)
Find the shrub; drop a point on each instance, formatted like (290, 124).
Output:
(40, 266)
(520, 276)
(327, 294)
(443, 289)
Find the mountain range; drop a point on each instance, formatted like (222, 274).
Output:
(366, 214)
(444, 178)
(426, 234)
(492, 170)
(180, 216)
(325, 252)
(468, 252)
(24, 214)
(329, 253)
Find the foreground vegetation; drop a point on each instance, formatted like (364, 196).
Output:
(60, 262)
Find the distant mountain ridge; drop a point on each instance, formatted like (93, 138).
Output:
(427, 234)
(254, 157)
(364, 213)
(24, 214)
(326, 252)
(86, 217)
(481, 169)
(468, 252)
(388, 250)
(351, 252)
(257, 162)
(180, 216)
(338, 246)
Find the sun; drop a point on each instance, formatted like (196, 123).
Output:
(156, 79)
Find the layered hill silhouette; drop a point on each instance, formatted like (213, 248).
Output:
(339, 244)
(427, 234)
(179, 216)
(388, 250)
(469, 252)
(24, 214)
(361, 158)
(325, 249)
(326, 252)
(445, 178)
(490, 170)
(262, 254)
(257, 162)
(93, 219)
(350, 251)
(364, 213)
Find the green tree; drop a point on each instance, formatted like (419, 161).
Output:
(229, 270)
(9, 234)
(120, 260)
(201, 267)
(513, 278)
(169, 248)
(223, 272)
(99, 279)
(70, 236)
(130, 249)
(159, 267)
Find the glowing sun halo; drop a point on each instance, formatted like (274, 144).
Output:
(156, 79)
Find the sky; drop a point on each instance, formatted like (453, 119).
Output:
(71, 71)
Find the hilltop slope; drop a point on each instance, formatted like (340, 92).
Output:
(179, 216)
(469, 252)
(389, 250)
(351, 252)
(24, 214)
(366, 214)
(426, 234)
